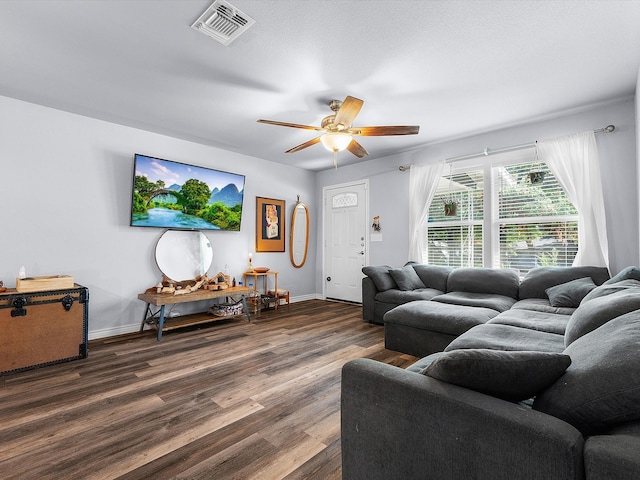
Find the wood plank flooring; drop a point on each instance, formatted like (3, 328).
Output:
(232, 400)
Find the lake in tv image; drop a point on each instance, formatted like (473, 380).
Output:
(168, 194)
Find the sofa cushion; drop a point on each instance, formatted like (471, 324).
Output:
(533, 320)
(380, 276)
(629, 273)
(597, 312)
(513, 375)
(499, 303)
(399, 297)
(538, 279)
(438, 317)
(507, 337)
(500, 281)
(433, 276)
(602, 385)
(609, 288)
(541, 305)
(570, 294)
(406, 278)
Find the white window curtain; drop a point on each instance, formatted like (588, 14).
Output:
(574, 161)
(423, 182)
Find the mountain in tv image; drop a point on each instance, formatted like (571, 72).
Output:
(228, 196)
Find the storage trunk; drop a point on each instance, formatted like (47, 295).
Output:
(42, 328)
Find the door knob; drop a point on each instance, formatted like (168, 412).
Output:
(328, 279)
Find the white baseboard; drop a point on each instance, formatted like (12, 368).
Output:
(113, 331)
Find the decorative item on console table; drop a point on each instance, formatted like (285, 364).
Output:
(43, 328)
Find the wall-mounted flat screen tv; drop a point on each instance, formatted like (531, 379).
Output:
(168, 194)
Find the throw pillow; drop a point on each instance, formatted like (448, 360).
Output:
(570, 294)
(595, 313)
(602, 385)
(433, 276)
(406, 278)
(380, 276)
(607, 289)
(510, 375)
(629, 273)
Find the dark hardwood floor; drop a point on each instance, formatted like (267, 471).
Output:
(227, 401)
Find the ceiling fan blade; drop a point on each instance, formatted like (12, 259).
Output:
(357, 149)
(294, 125)
(304, 145)
(348, 111)
(385, 130)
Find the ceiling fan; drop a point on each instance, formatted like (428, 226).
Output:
(338, 131)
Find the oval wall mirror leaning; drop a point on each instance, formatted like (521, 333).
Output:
(183, 254)
(299, 234)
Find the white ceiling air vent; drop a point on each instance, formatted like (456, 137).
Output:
(223, 22)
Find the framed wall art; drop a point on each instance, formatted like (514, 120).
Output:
(270, 224)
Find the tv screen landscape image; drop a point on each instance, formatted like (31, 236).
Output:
(168, 194)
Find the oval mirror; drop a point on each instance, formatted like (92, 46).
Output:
(299, 234)
(183, 254)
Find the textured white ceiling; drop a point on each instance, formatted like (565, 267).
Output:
(453, 67)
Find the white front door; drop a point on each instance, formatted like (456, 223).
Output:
(345, 240)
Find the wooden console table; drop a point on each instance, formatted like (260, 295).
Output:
(162, 299)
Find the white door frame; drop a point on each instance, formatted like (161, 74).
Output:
(364, 182)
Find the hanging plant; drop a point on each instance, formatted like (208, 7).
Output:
(450, 203)
(536, 177)
(450, 208)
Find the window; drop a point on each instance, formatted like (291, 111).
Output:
(512, 213)
(455, 240)
(537, 224)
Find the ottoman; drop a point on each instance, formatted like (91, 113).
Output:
(423, 327)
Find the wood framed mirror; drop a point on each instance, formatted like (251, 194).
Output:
(299, 234)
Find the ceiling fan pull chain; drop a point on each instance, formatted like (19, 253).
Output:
(335, 159)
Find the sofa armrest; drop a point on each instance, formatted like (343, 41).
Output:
(369, 292)
(398, 424)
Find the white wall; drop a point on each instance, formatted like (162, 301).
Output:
(66, 187)
(389, 187)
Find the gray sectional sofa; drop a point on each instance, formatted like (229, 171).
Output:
(546, 388)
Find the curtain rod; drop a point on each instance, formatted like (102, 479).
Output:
(486, 152)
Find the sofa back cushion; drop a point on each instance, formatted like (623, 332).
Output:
(433, 276)
(602, 385)
(595, 313)
(501, 281)
(538, 280)
(381, 277)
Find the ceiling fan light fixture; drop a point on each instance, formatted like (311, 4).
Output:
(336, 141)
